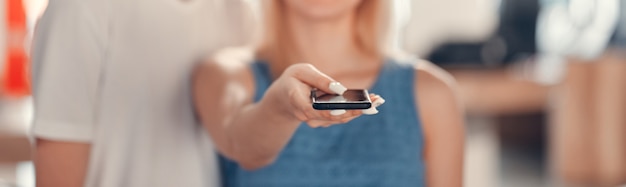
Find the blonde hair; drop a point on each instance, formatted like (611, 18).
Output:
(275, 45)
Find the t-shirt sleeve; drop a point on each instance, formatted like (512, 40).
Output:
(69, 46)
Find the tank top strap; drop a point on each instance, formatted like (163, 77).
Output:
(395, 76)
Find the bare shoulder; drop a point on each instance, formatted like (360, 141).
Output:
(226, 66)
(430, 78)
(435, 93)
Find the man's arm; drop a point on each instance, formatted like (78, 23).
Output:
(61, 163)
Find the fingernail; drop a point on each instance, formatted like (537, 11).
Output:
(370, 111)
(337, 88)
(337, 112)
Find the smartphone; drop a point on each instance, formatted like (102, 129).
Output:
(355, 99)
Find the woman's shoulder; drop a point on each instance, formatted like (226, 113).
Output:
(434, 87)
(429, 74)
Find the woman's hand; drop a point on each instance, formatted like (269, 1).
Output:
(291, 91)
(253, 134)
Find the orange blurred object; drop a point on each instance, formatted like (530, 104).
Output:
(15, 76)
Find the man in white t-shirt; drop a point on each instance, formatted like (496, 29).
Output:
(111, 90)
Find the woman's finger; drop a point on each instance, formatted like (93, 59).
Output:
(303, 104)
(370, 111)
(311, 76)
(334, 120)
(377, 100)
(337, 112)
(326, 115)
(348, 114)
(344, 120)
(318, 123)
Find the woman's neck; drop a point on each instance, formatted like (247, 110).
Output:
(325, 43)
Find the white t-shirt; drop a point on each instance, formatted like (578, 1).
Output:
(116, 74)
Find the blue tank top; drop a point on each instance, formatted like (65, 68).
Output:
(379, 150)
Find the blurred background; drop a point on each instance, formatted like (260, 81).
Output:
(543, 83)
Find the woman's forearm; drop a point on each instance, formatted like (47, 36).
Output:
(253, 134)
(258, 133)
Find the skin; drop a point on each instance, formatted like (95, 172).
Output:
(52, 155)
(224, 88)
